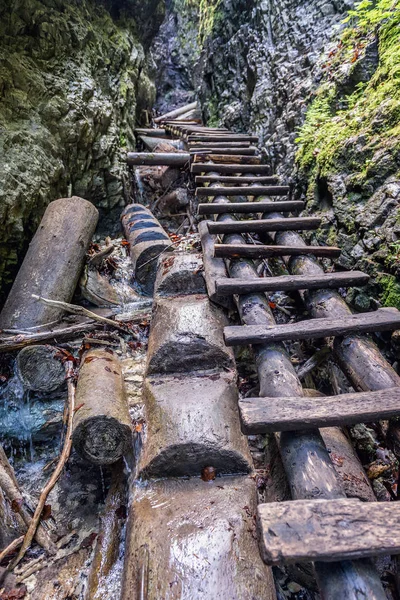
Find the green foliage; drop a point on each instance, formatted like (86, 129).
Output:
(369, 14)
(207, 11)
(391, 291)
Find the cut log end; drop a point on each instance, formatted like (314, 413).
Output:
(102, 440)
(39, 370)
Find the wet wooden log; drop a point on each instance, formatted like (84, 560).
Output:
(200, 167)
(237, 180)
(52, 264)
(270, 190)
(262, 415)
(262, 225)
(178, 159)
(176, 113)
(214, 268)
(255, 251)
(249, 207)
(39, 369)
(156, 132)
(220, 159)
(109, 537)
(327, 530)
(286, 283)
(102, 427)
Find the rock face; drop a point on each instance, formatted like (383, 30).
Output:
(73, 80)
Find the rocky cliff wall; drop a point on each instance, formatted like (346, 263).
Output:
(73, 82)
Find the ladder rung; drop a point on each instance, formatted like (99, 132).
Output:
(251, 151)
(263, 415)
(261, 251)
(236, 179)
(250, 207)
(327, 530)
(267, 190)
(383, 319)
(288, 283)
(228, 158)
(222, 137)
(261, 225)
(229, 168)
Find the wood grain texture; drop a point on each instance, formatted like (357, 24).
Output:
(229, 168)
(237, 179)
(286, 283)
(327, 530)
(250, 151)
(265, 190)
(178, 159)
(261, 225)
(222, 137)
(262, 415)
(261, 251)
(228, 159)
(383, 319)
(249, 207)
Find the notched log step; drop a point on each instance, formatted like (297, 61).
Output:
(263, 415)
(250, 207)
(261, 225)
(383, 319)
(261, 251)
(228, 159)
(264, 190)
(228, 168)
(327, 530)
(239, 179)
(287, 283)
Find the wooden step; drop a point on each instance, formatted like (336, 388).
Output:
(249, 207)
(266, 190)
(229, 168)
(261, 225)
(263, 415)
(383, 319)
(238, 179)
(250, 151)
(222, 137)
(210, 145)
(238, 159)
(261, 251)
(327, 530)
(289, 283)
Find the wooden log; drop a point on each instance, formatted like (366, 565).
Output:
(236, 179)
(249, 207)
(286, 283)
(214, 268)
(210, 145)
(218, 159)
(52, 264)
(222, 137)
(159, 133)
(228, 168)
(262, 415)
(151, 143)
(176, 113)
(102, 427)
(262, 225)
(39, 369)
(383, 319)
(179, 159)
(255, 251)
(108, 540)
(268, 190)
(250, 151)
(327, 530)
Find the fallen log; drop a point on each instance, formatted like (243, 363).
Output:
(176, 113)
(102, 427)
(39, 369)
(52, 265)
(56, 335)
(178, 159)
(159, 133)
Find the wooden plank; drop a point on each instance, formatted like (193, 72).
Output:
(261, 251)
(262, 415)
(238, 179)
(250, 151)
(238, 159)
(222, 137)
(265, 190)
(383, 319)
(209, 145)
(229, 168)
(289, 283)
(261, 225)
(250, 207)
(327, 530)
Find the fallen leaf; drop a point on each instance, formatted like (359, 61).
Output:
(208, 474)
(46, 514)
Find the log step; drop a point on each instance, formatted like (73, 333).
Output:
(383, 319)
(222, 137)
(238, 179)
(210, 145)
(287, 283)
(327, 530)
(267, 190)
(229, 168)
(250, 151)
(261, 251)
(250, 207)
(239, 159)
(263, 415)
(261, 225)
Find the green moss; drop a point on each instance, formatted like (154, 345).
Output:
(346, 124)
(391, 291)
